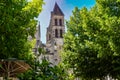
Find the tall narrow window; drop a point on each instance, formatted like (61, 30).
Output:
(61, 33)
(49, 36)
(60, 22)
(56, 33)
(55, 22)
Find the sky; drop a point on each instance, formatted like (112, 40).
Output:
(66, 6)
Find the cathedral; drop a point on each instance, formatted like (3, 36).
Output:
(54, 36)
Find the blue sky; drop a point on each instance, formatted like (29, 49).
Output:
(66, 6)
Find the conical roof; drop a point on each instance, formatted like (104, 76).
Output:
(57, 10)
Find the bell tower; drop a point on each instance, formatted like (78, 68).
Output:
(54, 35)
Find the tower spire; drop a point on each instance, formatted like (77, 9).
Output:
(57, 10)
(39, 32)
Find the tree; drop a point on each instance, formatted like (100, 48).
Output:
(91, 42)
(44, 71)
(16, 24)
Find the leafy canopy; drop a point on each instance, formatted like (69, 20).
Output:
(16, 24)
(91, 44)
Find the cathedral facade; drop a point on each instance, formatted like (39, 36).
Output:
(54, 36)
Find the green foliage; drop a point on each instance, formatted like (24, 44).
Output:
(16, 24)
(91, 44)
(44, 71)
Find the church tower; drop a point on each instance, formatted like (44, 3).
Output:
(54, 36)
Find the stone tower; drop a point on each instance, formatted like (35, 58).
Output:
(54, 36)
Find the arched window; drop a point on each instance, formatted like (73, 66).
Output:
(49, 36)
(60, 22)
(61, 33)
(56, 22)
(56, 33)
